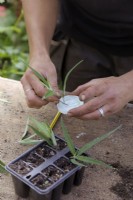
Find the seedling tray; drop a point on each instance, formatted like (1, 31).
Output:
(44, 172)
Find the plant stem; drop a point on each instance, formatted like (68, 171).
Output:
(67, 75)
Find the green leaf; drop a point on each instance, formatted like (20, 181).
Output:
(2, 167)
(31, 136)
(96, 141)
(40, 77)
(28, 141)
(49, 93)
(68, 138)
(53, 138)
(89, 160)
(43, 129)
(75, 162)
(67, 75)
(26, 130)
(39, 133)
(2, 163)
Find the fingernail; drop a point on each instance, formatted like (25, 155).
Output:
(82, 97)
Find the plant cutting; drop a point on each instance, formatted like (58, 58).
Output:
(44, 172)
(42, 129)
(78, 157)
(45, 82)
(66, 102)
(47, 170)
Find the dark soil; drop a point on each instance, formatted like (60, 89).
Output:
(21, 167)
(41, 182)
(53, 173)
(60, 144)
(33, 160)
(124, 188)
(45, 151)
(64, 164)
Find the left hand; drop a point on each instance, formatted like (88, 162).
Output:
(111, 94)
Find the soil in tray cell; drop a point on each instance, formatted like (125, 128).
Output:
(21, 167)
(64, 164)
(45, 151)
(60, 144)
(41, 182)
(33, 160)
(53, 173)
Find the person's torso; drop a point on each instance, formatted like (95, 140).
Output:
(109, 23)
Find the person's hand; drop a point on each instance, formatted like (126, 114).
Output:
(103, 97)
(33, 88)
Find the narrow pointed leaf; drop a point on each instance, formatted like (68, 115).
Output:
(43, 128)
(44, 131)
(29, 141)
(39, 76)
(46, 85)
(2, 167)
(75, 162)
(89, 160)
(2, 163)
(67, 75)
(68, 138)
(96, 141)
(39, 133)
(30, 137)
(50, 142)
(53, 138)
(49, 93)
(26, 130)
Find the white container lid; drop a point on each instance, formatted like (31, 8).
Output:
(68, 102)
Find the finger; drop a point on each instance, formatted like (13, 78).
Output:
(88, 107)
(95, 115)
(91, 92)
(80, 89)
(34, 101)
(91, 116)
(36, 84)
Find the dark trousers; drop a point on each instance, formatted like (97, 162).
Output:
(97, 64)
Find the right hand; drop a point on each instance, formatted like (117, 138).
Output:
(33, 88)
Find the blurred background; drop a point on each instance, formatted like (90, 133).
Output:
(13, 40)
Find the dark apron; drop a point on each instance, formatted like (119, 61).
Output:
(66, 53)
